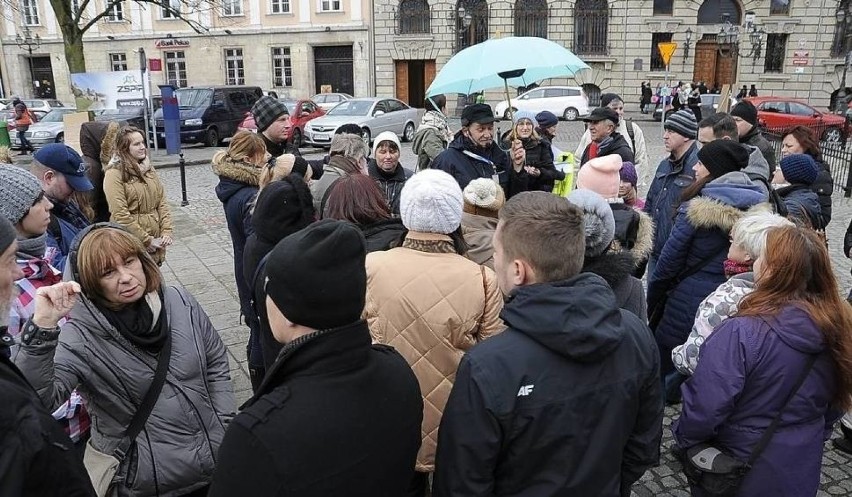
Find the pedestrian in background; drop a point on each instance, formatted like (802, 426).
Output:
(547, 125)
(752, 92)
(570, 366)
(384, 167)
(483, 199)
(433, 134)
(787, 355)
(238, 169)
(126, 324)
(136, 198)
(348, 155)
(23, 120)
(356, 198)
(336, 414)
(801, 140)
(429, 302)
(604, 137)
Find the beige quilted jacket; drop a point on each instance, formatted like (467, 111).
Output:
(431, 307)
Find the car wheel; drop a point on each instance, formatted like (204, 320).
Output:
(570, 114)
(408, 132)
(297, 138)
(832, 135)
(60, 138)
(211, 139)
(365, 135)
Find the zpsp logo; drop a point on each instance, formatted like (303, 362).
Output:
(130, 85)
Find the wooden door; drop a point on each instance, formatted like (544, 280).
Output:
(726, 69)
(333, 66)
(705, 64)
(401, 87)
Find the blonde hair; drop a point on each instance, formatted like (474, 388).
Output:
(749, 232)
(245, 147)
(534, 135)
(279, 168)
(128, 165)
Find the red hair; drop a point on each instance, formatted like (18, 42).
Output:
(356, 198)
(799, 273)
(806, 138)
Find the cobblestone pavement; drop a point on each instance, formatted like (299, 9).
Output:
(202, 261)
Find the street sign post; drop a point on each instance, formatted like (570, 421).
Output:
(667, 49)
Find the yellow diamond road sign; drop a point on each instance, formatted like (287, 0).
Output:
(666, 51)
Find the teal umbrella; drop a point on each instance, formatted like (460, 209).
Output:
(510, 61)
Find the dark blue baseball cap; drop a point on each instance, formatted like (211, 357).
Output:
(64, 159)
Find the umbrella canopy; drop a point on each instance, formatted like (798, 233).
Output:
(521, 60)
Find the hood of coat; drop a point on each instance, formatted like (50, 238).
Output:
(576, 318)
(795, 327)
(612, 266)
(757, 165)
(233, 177)
(644, 238)
(472, 223)
(724, 200)
(434, 120)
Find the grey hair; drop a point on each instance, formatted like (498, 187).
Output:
(749, 232)
(349, 145)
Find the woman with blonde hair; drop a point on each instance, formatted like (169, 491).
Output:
(539, 159)
(132, 338)
(784, 361)
(135, 195)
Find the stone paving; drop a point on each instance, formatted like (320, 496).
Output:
(202, 261)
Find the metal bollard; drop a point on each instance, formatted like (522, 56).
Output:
(184, 201)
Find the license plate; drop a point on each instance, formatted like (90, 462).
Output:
(321, 136)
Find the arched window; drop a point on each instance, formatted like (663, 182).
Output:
(839, 46)
(471, 23)
(591, 19)
(712, 11)
(414, 17)
(531, 18)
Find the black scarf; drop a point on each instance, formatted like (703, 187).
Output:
(136, 323)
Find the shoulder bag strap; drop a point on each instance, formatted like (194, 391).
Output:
(151, 396)
(770, 430)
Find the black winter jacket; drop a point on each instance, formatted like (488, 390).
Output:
(618, 146)
(823, 186)
(36, 457)
(335, 416)
(384, 235)
(465, 168)
(390, 184)
(756, 139)
(616, 268)
(566, 401)
(539, 154)
(279, 149)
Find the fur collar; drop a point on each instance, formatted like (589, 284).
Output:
(644, 239)
(704, 212)
(237, 171)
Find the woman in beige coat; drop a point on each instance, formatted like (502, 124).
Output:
(430, 302)
(135, 194)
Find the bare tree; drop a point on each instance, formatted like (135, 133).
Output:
(74, 22)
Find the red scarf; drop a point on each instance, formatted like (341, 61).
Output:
(593, 150)
(733, 268)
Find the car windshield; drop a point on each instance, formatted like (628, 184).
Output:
(55, 116)
(290, 104)
(189, 98)
(352, 108)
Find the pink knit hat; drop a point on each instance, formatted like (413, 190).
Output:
(600, 175)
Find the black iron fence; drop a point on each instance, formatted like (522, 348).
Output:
(834, 145)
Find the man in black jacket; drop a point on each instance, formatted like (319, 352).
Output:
(273, 123)
(336, 415)
(603, 123)
(36, 457)
(473, 154)
(567, 400)
(745, 115)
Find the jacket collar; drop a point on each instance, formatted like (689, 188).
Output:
(331, 351)
(376, 173)
(237, 171)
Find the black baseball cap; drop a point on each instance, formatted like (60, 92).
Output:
(601, 114)
(477, 113)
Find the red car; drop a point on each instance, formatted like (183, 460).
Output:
(779, 114)
(301, 111)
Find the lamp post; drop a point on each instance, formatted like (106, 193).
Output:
(30, 43)
(687, 44)
(729, 38)
(845, 17)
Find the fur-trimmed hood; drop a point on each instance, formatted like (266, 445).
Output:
(724, 200)
(644, 243)
(233, 177)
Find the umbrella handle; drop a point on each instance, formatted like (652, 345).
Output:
(509, 105)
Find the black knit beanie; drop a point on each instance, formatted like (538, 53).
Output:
(723, 156)
(746, 111)
(317, 277)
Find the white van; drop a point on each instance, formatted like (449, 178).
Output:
(567, 102)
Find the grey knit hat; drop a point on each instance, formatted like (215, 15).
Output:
(19, 189)
(683, 123)
(7, 234)
(266, 110)
(597, 218)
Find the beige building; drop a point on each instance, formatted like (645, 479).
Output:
(786, 47)
(292, 47)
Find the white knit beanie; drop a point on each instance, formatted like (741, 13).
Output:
(484, 193)
(431, 202)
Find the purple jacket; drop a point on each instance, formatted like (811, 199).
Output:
(748, 367)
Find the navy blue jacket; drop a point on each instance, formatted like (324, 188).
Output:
(803, 205)
(66, 220)
(665, 192)
(465, 168)
(701, 230)
(566, 401)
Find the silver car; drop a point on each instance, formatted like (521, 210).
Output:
(327, 101)
(49, 129)
(374, 115)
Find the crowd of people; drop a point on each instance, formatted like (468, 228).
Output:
(456, 327)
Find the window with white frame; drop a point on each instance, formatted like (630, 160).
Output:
(279, 6)
(30, 12)
(116, 13)
(118, 61)
(232, 7)
(170, 9)
(234, 71)
(282, 67)
(330, 5)
(176, 68)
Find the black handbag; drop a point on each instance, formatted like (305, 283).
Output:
(718, 474)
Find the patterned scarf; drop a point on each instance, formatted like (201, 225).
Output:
(733, 268)
(430, 246)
